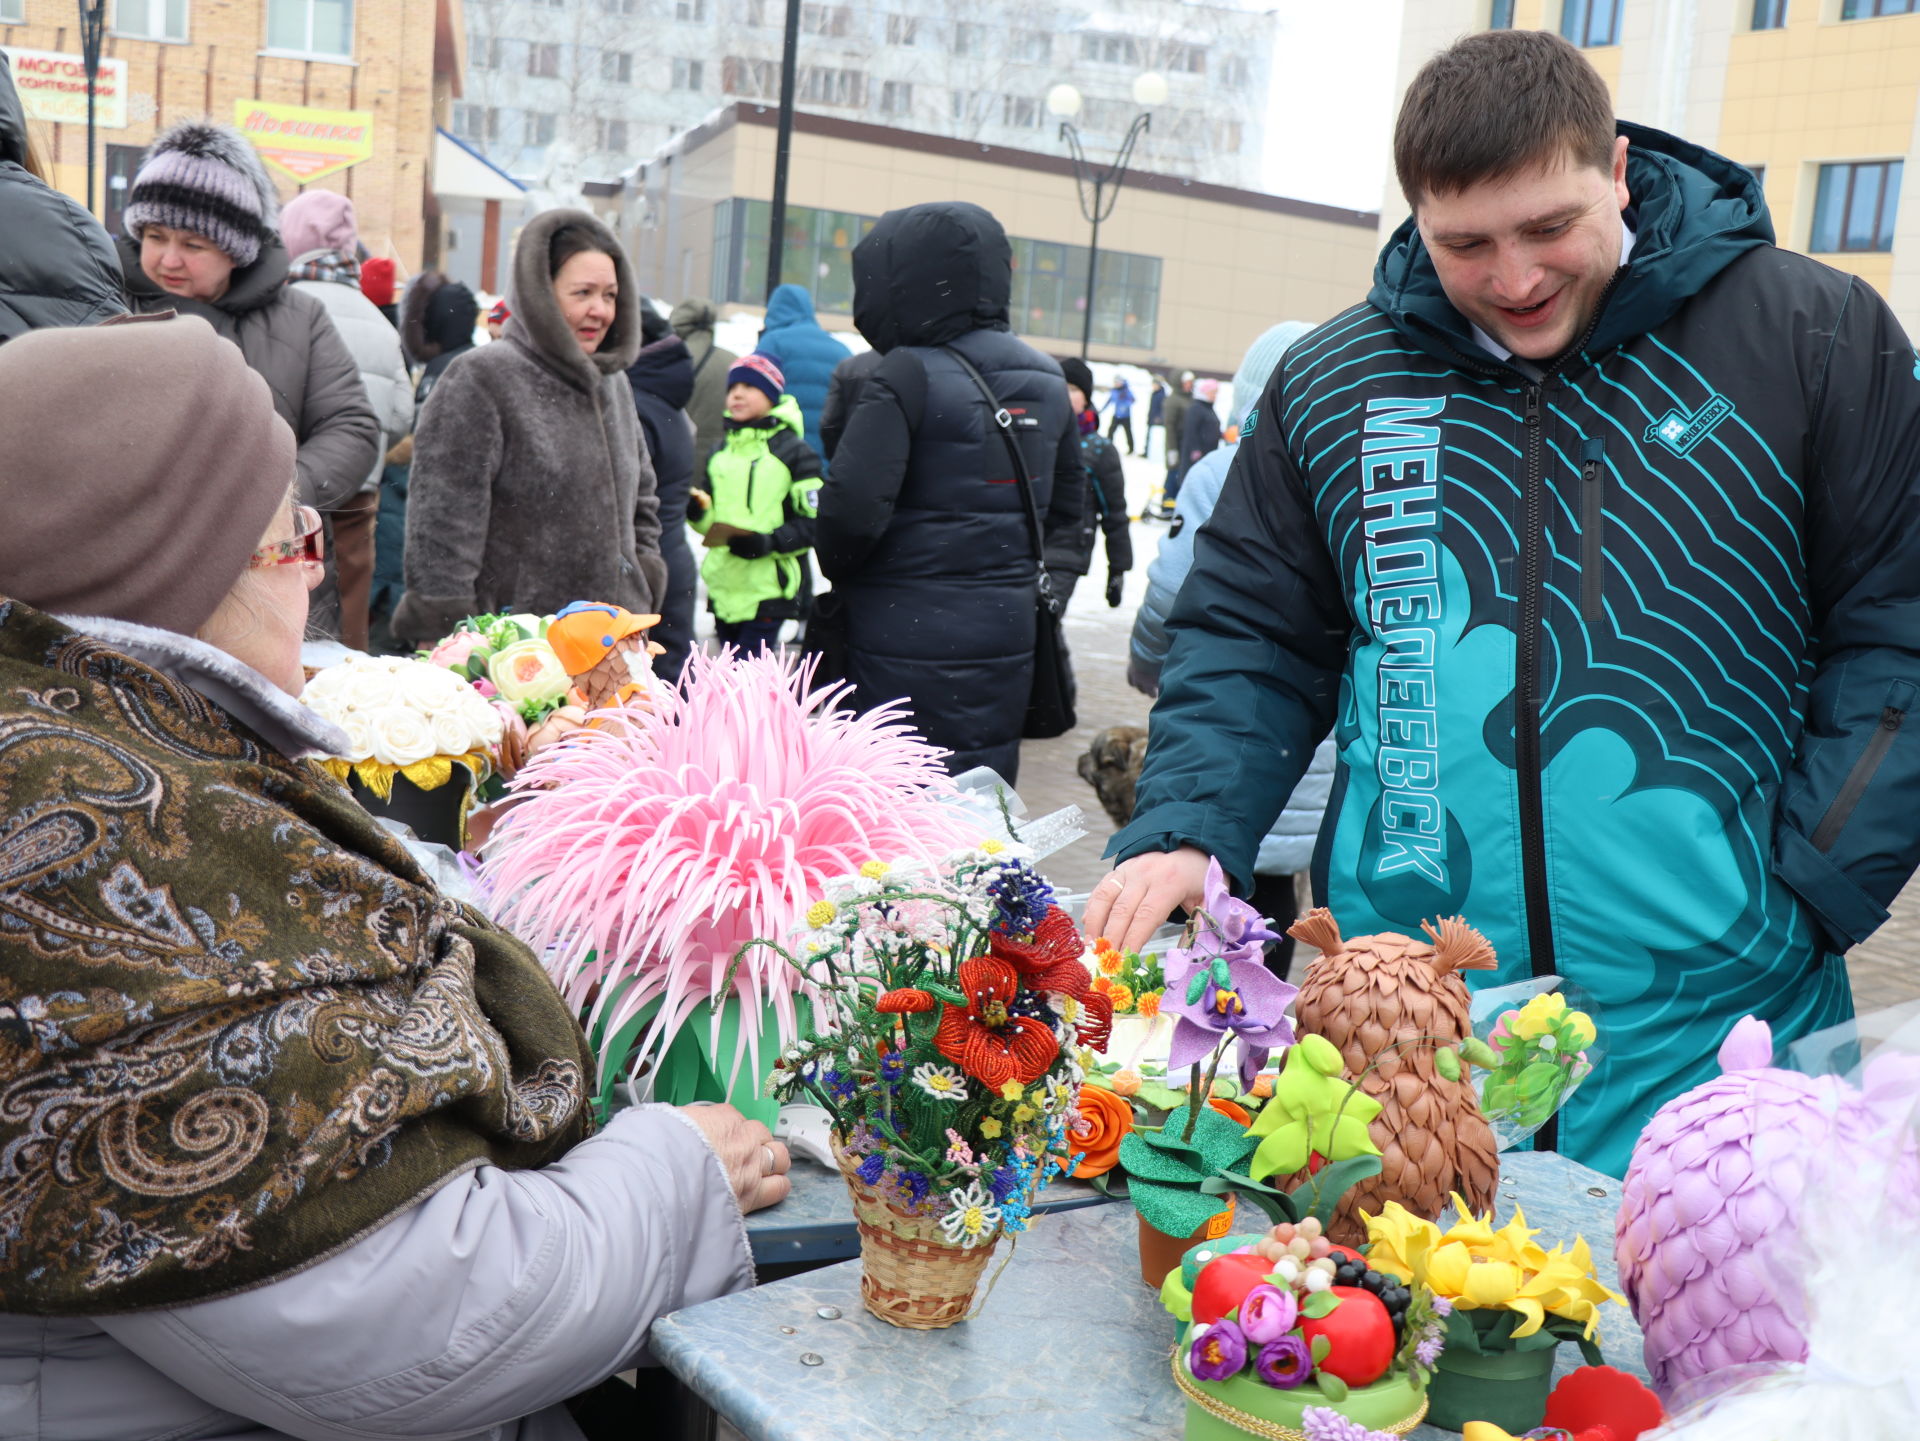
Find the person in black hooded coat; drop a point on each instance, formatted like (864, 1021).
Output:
(57, 266)
(662, 380)
(921, 526)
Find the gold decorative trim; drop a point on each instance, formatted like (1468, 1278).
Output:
(1259, 1425)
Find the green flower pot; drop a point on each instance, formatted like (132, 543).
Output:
(1507, 1388)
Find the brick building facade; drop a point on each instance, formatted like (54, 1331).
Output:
(398, 61)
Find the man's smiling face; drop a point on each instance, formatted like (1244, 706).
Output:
(1526, 257)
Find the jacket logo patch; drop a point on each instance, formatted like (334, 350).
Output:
(1680, 432)
(1246, 426)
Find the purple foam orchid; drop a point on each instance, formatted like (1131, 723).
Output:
(1216, 998)
(1229, 927)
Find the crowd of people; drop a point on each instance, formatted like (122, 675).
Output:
(1686, 664)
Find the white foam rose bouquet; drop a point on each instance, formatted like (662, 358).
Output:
(405, 718)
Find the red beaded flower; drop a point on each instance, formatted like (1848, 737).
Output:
(984, 1039)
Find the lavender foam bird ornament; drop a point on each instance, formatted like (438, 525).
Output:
(1711, 1216)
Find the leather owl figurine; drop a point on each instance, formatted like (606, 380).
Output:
(1388, 1003)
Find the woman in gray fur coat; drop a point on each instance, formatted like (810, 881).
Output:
(531, 486)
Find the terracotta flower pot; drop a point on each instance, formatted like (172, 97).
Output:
(909, 1275)
(1160, 1253)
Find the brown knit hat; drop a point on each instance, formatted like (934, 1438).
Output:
(141, 461)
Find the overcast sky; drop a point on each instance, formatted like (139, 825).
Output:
(1330, 118)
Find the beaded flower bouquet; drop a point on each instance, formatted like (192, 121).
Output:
(954, 1005)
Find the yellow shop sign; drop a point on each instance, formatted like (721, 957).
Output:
(303, 143)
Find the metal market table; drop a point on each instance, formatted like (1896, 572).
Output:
(1068, 1347)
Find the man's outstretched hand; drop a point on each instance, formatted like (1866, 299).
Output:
(1139, 895)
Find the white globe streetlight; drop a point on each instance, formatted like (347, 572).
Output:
(1150, 90)
(1064, 101)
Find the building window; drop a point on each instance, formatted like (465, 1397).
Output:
(963, 104)
(689, 75)
(896, 97)
(1037, 48)
(1590, 23)
(477, 122)
(542, 126)
(484, 54)
(903, 30)
(1185, 59)
(1109, 49)
(1233, 72)
(754, 79)
(1759, 174)
(13, 12)
(825, 19)
(616, 67)
(828, 85)
(690, 9)
(1868, 9)
(1021, 112)
(610, 135)
(1500, 15)
(544, 61)
(969, 39)
(1229, 134)
(1855, 206)
(617, 7)
(310, 27)
(1769, 14)
(147, 19)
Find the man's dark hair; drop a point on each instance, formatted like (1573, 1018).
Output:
(1493, 104)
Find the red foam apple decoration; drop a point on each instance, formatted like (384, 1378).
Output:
(1223, 1284)
(1600, 1403)
(1359, 1334)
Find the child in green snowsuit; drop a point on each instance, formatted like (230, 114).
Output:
(763, 492)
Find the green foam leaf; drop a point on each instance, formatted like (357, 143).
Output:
(1320, 1303)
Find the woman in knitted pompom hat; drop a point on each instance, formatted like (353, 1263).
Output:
(201, 239)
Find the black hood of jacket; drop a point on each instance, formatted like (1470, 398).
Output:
(13, 118)
(437, 315)
(252, 286)
(929, 274)
(1694, 214)
(664, 369)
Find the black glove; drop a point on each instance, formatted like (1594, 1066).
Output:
(1116, 582)
(750, 547)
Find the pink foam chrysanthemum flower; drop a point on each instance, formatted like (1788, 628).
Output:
(655, 846)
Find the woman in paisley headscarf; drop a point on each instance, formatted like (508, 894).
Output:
(290, 1144)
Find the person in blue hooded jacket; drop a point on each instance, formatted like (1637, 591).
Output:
(1589, 538)
(806, 355)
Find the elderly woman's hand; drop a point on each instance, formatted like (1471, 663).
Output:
(755, 1163)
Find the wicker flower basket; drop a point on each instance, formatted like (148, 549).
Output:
(910, 1276)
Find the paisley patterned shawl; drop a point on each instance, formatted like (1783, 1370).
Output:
(238, 1027)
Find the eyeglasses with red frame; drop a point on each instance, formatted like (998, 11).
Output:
(309, 543)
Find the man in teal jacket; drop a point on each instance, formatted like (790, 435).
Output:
(1589, 536)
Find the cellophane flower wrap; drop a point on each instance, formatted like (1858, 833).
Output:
(403, 718)
(644, 851)
(1837, 1186)
(954, 1004)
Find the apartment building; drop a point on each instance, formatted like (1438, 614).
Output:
(561, 92)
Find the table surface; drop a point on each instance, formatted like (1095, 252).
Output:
(815, 1222)
(1068, 1346)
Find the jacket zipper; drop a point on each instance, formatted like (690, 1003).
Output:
(1892, 717)
(1526, 700)
(1593, 522)
(752, 466)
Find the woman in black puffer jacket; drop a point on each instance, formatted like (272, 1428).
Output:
(921, 528)
(57, 266)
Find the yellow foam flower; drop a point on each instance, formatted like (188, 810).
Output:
(1539, 1016)
(1122, 997)
(1580, 1030)
(1111, 962)
(1147, 1003)
(874, 870)
(821, 913)
(993, 848)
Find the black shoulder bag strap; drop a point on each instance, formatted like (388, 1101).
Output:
(1003, 421)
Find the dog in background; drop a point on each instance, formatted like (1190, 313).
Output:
(1112, 767)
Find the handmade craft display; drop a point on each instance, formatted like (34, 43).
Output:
(1542, 1056)
(1510, 1303)
(1399, 1014)
(1590, 1403)
(414, 731)
(1713, 1237)
(1844, 1252)
(506, 655)
(605, 652)
(952, 1008)
(1290, 1336)
(641, 855)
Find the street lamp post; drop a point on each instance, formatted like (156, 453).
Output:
(93, 25)
(783, 148)
(1099, 191)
